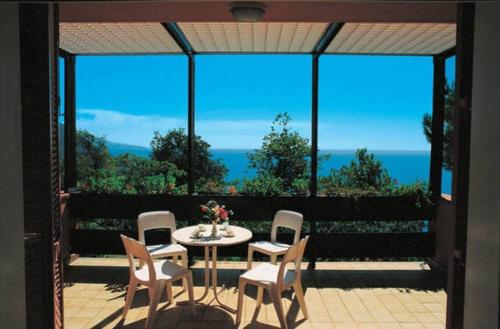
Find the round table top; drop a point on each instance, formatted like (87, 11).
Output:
(183, 236)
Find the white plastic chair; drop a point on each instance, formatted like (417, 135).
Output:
(155, 275)
(283, 218)
(161, 219)
(275, 279)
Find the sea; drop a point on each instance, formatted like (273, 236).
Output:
(404, 166)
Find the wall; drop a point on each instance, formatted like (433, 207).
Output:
(483, 257)
(12, 283)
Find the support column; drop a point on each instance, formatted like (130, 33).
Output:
(38, 24)
(191, 134)
(461, 157)
(438, 105)
(314, 152)
(70, 170)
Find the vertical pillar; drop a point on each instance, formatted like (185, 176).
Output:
(461, 157)
(191, 136)
(70, 170)
(314, 152)
(38, 25)
(438, 104)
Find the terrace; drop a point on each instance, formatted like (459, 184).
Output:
(409, 294)
(371, 291)
(349, 295)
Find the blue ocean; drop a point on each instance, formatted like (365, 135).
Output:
(404, 166)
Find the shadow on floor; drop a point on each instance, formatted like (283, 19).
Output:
(116, 278)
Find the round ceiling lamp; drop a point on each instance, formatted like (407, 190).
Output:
(247, 11)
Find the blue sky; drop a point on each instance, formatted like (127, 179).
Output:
(365, 101)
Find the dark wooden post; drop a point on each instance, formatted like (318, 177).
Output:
(69, 121)
(461, 157)
(38, 25)
(191, 134)
(314, 153)
(437, 129)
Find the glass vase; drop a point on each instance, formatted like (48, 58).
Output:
(214, 228)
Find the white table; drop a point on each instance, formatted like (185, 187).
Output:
(183, 236)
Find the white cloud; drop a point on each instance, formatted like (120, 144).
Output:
(138, 129)
(340, 133)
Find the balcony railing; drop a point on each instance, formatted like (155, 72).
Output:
(86, 206)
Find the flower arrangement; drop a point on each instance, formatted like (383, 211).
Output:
(212, 211)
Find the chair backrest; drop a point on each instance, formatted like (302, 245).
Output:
(293, 255)
(153, 220)
(137, 250)
(289, 219)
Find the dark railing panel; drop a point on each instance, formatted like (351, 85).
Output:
(85, 206)
(99, 242)
(375, 245)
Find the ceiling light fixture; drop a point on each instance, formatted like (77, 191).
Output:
(247, 11)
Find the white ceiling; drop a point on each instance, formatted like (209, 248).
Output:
(116, 38)
(393, 38)
(253, 37)
(261, 37)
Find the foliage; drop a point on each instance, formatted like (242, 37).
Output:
(91, 154)
(365, 175)
(173, 147)
(284, 154)
(449, 107)
(263, 185)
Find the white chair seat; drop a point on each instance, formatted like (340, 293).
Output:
(160, 250)
(267, 273)
(165, 270)
(268, 247)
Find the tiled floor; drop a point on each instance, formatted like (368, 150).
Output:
(339, 295)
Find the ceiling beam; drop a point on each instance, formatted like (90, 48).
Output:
(176, 33)
(277, 11)
(331, 31)
(449, 52)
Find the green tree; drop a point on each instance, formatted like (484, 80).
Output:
(449, 107)
(91, 154)
(173, 147)
(284, 155)
(364, 175)
(148, 176)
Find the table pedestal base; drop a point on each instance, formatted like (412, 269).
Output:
(214, 279)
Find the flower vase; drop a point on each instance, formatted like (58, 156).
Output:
(214, 228)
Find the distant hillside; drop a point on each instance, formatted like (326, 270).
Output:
(113, 147)
(119, 148)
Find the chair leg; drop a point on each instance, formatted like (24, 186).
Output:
(184, 260)
(132, 286)
(170, 294)
(239, 309)
(278, 306)
(249, 258)
(155, 294)
(297, 287)
(274, 258)
(260, 296)
(174, 259)
(189, 279)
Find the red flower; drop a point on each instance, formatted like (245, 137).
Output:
(223, 213)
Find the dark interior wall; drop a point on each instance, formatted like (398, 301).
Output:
(483, 235)
(12, 310)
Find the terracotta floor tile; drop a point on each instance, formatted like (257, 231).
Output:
(338, 295)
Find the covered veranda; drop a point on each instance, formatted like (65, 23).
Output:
(344, 295)
(357, 288)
